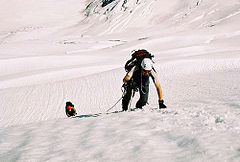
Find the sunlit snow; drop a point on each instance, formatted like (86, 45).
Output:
(56, 51)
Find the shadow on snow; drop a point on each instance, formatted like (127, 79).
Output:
(95, 115)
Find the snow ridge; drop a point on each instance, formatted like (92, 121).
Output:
(73, 50)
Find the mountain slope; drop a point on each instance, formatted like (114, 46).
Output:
(57, 51)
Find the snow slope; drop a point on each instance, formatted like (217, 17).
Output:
(55, 51)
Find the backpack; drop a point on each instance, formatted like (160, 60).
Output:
(137, 57)
(72, 112)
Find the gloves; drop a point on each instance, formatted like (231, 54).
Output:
(161, 105)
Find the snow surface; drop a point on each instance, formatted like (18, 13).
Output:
(72, 50)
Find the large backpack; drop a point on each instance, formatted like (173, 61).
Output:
(136, 60)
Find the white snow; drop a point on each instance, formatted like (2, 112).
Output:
(55, 51)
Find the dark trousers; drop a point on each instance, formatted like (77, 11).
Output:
(144, 90)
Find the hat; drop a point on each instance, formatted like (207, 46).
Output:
(147, 64)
